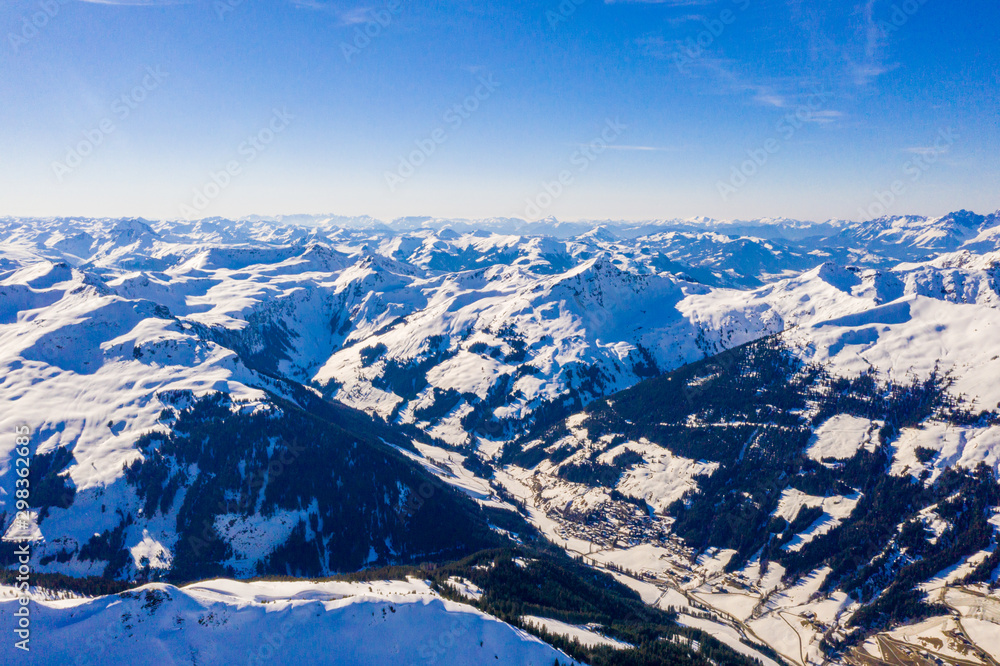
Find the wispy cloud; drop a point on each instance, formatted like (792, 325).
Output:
(869, 66)
(355, 16)
(928, 150)
(675, 21)
(730, 80)
(725, 76)
(823, 116)
(850, 58)
(638, 148)
(347, 16)
(855, 60)
(139, 3)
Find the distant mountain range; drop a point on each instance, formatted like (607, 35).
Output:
(788, 432)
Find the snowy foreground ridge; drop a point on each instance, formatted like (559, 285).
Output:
(711, 412)
(229, 622)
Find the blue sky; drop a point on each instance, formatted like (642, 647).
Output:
(578, 109)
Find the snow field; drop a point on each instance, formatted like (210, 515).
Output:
(224, 621)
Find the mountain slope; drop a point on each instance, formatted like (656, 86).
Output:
(754, 473)
(319, 623)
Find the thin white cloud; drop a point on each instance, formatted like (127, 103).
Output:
(768, 98)
(710, 66)
(347, 16)
(928, 150)
(139, 3)
(870, 67)
(686, 18)
(824, 116)
(722, 69)
(855, 60)
(614, 146)
(355, 16)
(725, 76)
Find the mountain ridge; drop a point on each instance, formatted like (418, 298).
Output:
(184, 353)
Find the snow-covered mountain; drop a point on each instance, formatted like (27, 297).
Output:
(316, 394)
(228, 622)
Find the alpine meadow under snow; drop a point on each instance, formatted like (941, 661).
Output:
(493, 441)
